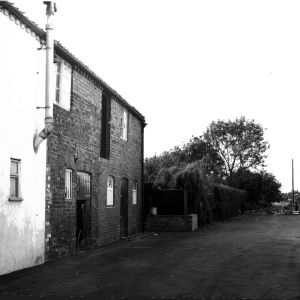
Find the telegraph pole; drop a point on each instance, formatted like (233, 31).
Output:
(293, 193)
(295, 203)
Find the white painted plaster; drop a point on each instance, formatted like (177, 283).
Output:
(22, 78)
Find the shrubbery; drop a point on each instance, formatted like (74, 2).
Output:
(229, 153)
(230, 201)
(211, 201)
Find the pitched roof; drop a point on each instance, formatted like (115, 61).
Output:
(61, 50)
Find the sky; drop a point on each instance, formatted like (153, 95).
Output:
(186, 63)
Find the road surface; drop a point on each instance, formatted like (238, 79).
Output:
(251, 257)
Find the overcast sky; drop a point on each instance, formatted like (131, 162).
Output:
(186, 63)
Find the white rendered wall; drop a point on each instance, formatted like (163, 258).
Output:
(22, 86)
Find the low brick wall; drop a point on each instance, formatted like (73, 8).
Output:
(172, 222)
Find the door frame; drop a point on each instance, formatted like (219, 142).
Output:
(124, 201)
(83, 207)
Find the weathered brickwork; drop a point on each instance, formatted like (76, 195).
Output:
(75, 145)
(172, 222)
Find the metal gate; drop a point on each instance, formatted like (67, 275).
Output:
(83, 208)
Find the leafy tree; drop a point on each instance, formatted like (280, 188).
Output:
(195, 150)
(152, 165)
(271, 188)
(240, 144)
(262, 187)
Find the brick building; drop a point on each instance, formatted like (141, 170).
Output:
(94, 162)
(90, 169)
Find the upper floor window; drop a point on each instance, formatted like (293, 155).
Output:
(15, 171)
(63, 73)
(68, 184)
(134, 192)
(110, 191)
(124, 125)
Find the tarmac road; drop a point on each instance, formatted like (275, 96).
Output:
(252, 257)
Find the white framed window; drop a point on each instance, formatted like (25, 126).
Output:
(110, 191)
(63, 79)
(68, 184)
(134, 192)
(15, 172)
(124, 125)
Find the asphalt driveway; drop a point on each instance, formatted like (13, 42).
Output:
(252, 257)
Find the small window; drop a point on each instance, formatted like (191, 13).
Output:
(63, 75)
(124, 125)
(110, 191)
(68, 184)
(15, 171)
(134, 192)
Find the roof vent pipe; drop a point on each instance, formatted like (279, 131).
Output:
(49, 95)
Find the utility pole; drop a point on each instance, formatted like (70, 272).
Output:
(293, 193)
(295, 203)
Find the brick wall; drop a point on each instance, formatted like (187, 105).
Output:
(172, 222)
(75, 144)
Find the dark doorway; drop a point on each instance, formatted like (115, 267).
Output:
(124, 208)
(83, 209)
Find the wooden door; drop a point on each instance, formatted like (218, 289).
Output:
(124, 208)
(83, 208)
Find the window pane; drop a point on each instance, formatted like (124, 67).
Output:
(68, 184)
(110, 191)
(134, 197)
(65, 85)
(13, 186)
(13, 167)
(134, 192)
(124, 121)
(56, 80)
(110, 197)
(110, 182)
(135, 185)
(125, 124)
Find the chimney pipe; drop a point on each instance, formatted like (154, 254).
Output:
(49, 95)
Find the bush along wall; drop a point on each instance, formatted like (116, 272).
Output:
(229, 201)
(209, 200)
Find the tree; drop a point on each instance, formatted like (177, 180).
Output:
(195, 150)
(239, 143)
(152, 165)
(263, 188)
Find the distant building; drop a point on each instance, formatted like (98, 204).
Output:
(91, 166)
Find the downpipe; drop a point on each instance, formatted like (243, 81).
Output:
(49, 91)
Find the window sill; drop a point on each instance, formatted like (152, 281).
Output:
(17, 199)
(110, 206)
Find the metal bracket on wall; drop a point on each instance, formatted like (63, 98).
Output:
(42, 46)
(43, 107)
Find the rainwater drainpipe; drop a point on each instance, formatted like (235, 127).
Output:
(49, 95)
